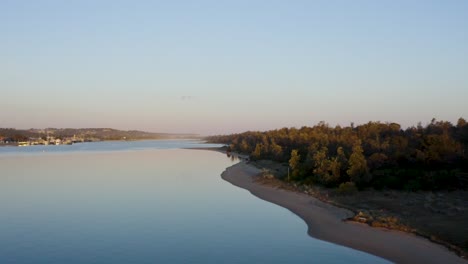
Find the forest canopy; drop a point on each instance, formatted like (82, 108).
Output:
(379, 155)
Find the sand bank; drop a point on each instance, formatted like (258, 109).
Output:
(325, 222)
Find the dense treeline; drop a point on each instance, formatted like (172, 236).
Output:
(374, 154)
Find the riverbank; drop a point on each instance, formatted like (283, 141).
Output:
(325, 222)
(8, 144)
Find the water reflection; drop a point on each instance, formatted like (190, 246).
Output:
(146, 206)
(105, 146)
(233, 156)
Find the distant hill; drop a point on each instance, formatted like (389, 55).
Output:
(94, 134)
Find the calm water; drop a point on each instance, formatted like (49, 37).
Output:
(143, 202)
(105, 146)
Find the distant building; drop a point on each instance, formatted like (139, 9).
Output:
(6, 140)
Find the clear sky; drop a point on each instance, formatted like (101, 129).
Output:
(227, 66)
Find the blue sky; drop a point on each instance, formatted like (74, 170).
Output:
(227, 66)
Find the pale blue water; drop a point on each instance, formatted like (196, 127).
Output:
(144, 202)
(106, 146)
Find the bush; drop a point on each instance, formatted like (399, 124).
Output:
(347, 188)
(267, 174)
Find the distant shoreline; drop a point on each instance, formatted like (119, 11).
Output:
(325, 222)
(50, 136)
(9, 145)
(104, 140)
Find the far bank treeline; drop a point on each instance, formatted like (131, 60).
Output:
(380, 155)
(16, 135)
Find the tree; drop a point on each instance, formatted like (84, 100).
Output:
(244, 147)
(358, 170)
(341, 157)
(461, 122)
(276, 150)
(322, 166)
(377, 160)
(257, 153)
(294, 162)
(341, 154)
(335, 168)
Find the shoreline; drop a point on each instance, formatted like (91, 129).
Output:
(106, 140)
(326, 222)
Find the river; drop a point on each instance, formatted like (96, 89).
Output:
(143, 202)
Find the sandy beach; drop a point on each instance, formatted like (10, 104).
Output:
(325, 222)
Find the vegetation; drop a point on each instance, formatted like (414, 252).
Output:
(16, 135)
(347, 188)
(379, 155)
